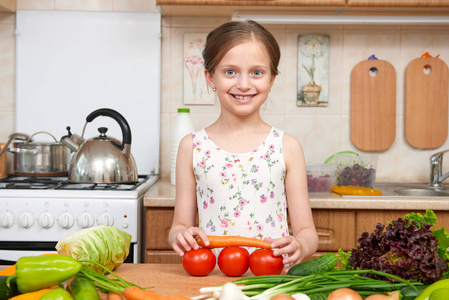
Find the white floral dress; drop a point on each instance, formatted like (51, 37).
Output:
(241, 194)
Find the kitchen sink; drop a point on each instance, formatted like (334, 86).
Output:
(420, 192)
(411, 190)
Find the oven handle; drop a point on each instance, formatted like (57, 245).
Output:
(14, 255)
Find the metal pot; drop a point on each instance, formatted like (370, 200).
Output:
(40, 158)
(102, 159)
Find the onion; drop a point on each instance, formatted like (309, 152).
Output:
(282, 297)
(344, 294)
(391, 296)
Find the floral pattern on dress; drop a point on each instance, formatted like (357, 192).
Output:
(241, 194)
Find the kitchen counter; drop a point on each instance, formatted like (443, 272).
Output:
(163, 195)
(171, 278)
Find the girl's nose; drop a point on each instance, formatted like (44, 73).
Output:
(244, 83)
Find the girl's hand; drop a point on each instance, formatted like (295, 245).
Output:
(288, 247)
(185, 240)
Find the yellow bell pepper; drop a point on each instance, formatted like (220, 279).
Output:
(356, 191)
(32, 295)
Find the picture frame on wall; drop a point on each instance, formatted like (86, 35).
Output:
(195, 89)
(313, 70)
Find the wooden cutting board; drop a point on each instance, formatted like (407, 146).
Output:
(426, 103)
(373, 105)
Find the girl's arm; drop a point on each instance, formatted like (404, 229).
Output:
(183, 231)
(304, 240)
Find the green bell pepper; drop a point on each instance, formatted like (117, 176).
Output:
(57, 294)
(37, 272)
(440, 284)
(440, 294)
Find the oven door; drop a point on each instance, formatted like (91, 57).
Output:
(10, 252)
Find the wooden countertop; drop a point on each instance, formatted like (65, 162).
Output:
(171, 278)
(163, 195)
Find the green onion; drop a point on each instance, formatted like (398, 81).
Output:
(265, 287)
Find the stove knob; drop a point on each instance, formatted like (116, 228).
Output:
(26, 219)
(85, 220)
(105, 219)
(6, 219)
(46, 220)
(66, 220)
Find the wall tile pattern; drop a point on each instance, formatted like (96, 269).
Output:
(322, 131)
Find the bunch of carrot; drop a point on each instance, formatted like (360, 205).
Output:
(136, 293)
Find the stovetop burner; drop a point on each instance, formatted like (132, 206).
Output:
(62, 183)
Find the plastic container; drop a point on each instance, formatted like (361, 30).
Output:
(356, 170)
(320, 177)
(182, 127)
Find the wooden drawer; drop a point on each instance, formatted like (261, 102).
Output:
(336, 229)
(158, 224)
(367, 219)
(162, 257)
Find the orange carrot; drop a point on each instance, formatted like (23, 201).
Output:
(229, 240)
(114, 296)
(135, 293)
(178, 297)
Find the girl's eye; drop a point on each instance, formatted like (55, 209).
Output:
(230, 72)
(257, 72)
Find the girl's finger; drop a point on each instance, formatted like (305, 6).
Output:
(180, 238)
(188, 236)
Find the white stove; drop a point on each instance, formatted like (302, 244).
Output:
(36, 212)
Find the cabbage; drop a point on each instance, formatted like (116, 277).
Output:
(106, 245)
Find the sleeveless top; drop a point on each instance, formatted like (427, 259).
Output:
(241, 194)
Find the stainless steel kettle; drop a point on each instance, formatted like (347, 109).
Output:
(101, 159)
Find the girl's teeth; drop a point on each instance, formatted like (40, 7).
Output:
(242, 97)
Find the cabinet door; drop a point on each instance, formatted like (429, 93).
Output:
(367, 219)
(336, 229)
(158, 224)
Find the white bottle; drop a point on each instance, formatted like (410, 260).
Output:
(182, 127)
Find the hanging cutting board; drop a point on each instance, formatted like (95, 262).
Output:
(426, 103)
(373, 105)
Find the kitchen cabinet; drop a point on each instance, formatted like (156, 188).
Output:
(367, 219)
(336, 229)
(8, 5)
(226, 8)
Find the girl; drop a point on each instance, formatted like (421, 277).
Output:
(240, 173)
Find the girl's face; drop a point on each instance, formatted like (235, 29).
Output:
(242, 78)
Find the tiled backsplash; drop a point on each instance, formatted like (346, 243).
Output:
(321, 130)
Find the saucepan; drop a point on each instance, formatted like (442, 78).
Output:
(38, 158)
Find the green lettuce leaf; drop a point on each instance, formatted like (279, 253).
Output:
(343, 257)
(443, 242)
(429, 217)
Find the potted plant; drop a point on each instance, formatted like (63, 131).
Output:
(312, 47)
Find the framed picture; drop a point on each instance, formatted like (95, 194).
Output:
(195, 88)
(313, 70)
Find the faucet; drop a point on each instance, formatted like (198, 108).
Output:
(436, 166)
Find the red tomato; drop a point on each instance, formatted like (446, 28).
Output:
(263, 262)
(199, 262)
(233, 260)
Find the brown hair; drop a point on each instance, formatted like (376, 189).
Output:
(228, 35)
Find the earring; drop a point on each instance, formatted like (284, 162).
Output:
(214, 89)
